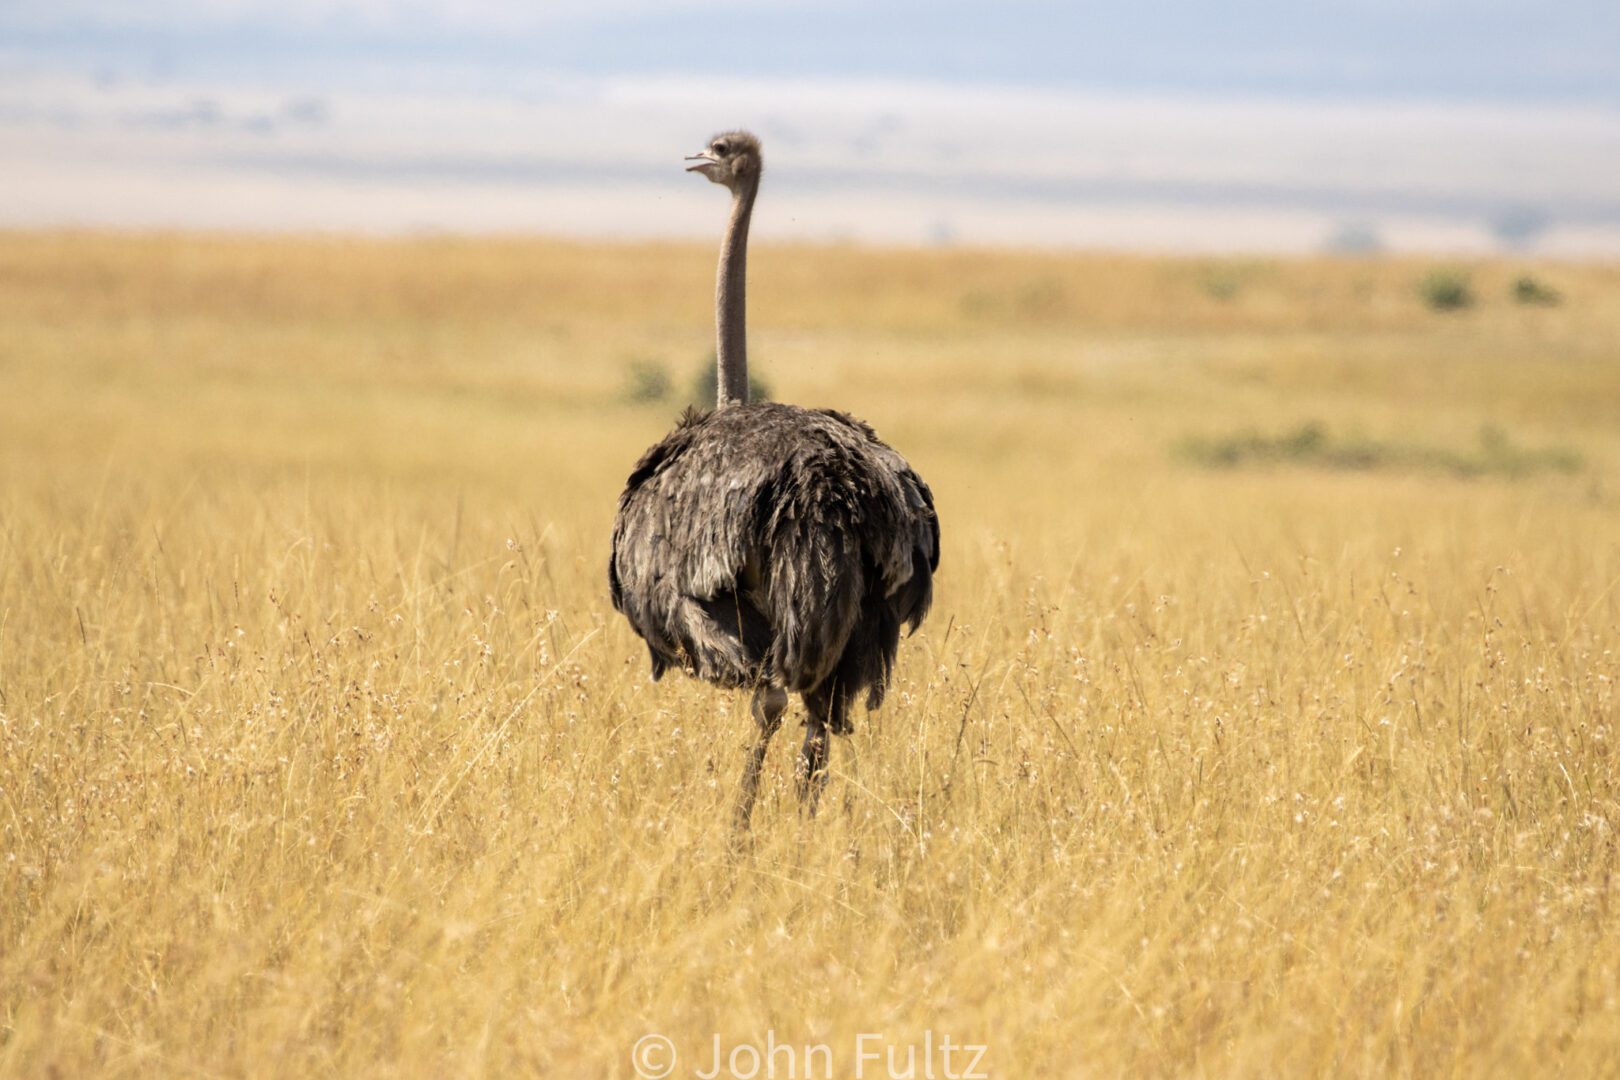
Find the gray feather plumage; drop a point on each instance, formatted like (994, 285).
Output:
(768, 543)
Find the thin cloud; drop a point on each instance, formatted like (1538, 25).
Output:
(879, 160)
(488, 16)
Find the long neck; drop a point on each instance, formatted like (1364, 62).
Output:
(731, 301)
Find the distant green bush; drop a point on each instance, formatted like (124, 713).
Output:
(1222, 285)
(1448, 290)
(649, 383)
(706, 385)
(1311, 444)
(1527, 290)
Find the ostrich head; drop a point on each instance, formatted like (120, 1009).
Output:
(732, 159)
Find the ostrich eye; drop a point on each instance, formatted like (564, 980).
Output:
(720, 147)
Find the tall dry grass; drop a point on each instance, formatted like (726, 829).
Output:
(322, 751)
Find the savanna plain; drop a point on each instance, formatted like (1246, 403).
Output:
(1263, 724)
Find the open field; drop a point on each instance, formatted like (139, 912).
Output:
(1264, 724)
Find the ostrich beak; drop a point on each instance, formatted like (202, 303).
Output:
(705, 161)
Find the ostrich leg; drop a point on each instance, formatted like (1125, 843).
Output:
(769, 704)
(825, 705)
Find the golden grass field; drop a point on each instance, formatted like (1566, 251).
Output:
(322, 751)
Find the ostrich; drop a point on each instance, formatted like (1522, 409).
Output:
(768, 546)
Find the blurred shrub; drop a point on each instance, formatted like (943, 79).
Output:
(706, 385)
(1527, 290)
(1313, 445)
(1447, 290)
(1222, 285)
(649, 383)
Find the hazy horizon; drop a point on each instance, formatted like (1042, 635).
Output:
(1430, 127)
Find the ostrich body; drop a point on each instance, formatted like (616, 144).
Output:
(768, 546)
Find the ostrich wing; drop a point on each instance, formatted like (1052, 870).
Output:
(682, 545)
(909, 540)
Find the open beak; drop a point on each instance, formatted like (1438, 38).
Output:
(705, 160)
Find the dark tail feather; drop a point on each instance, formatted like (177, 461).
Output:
(813, 638)
(911, 603)
(880, 632)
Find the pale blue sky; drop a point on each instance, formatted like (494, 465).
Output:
(1259, 123)
(1515, 50)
